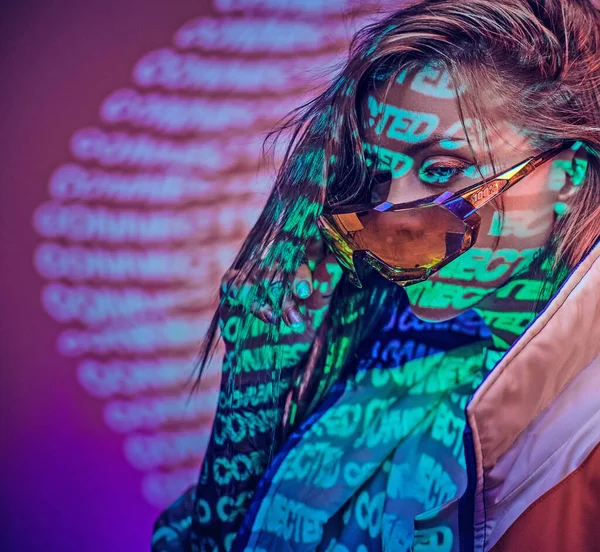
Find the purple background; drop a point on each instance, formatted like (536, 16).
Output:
(67, 484)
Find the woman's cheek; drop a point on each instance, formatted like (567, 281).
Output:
(519, 226)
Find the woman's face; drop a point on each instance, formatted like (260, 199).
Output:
(416, 147)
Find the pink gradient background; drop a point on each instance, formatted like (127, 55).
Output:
(66, 483)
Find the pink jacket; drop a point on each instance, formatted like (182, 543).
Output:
(535, 429)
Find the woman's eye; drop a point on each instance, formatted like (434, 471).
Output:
(439, 173)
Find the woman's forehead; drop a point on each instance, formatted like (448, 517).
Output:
(415, 104)
(420, 106)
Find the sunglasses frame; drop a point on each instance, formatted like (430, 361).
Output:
(463, 204)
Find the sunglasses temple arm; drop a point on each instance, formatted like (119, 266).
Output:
(487, 192)
(491, 190)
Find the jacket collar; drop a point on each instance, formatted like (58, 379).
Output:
(560, 343)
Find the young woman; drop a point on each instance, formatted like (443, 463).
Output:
(412, 328)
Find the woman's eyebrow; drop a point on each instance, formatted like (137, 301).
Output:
(449, 143)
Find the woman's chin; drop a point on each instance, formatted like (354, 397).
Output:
(433, 314)
(440, 299)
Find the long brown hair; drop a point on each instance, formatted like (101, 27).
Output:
(541, 56)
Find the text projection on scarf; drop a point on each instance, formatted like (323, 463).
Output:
(146, 216)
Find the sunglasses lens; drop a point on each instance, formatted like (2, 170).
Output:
(417, 238)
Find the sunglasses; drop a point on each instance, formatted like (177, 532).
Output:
(408, 242)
